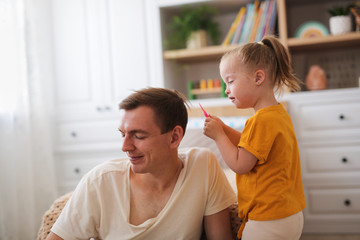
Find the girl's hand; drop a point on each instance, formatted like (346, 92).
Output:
(213, 127)
(219, 120)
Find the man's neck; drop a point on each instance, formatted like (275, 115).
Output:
(149, 193)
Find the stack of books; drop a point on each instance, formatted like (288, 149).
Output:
(252, 23)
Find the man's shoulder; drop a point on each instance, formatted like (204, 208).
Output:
(192, 153)
(197, 156)
(120, 165)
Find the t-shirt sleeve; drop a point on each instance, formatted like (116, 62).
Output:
(221, 194)
(258, 137)
(80, 217)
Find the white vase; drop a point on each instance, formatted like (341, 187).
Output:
(340, 25)
(197, 39)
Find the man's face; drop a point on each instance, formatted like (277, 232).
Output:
(143, 142)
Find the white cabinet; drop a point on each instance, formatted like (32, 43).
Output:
(100, 57)
(327, 124)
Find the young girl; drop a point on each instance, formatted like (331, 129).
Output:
(265, 155)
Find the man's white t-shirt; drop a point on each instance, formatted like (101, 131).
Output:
(100, 206)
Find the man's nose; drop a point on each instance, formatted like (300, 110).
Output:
(127, 144)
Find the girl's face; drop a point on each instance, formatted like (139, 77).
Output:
(240, 82)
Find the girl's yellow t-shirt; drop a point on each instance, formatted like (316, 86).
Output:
(273, 188)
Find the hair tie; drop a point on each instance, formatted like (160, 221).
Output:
(261, 43)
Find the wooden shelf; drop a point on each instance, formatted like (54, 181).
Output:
(295, 44)
(338, 41)
(206, 91)
(202, 54)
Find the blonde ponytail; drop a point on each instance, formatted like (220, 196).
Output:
(284, 72)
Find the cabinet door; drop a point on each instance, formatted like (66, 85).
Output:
(99, 55)
(78, 90)
(128, 48)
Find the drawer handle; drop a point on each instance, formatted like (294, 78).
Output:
(344, 160)
(77, 170)
(102, 109)
(347, 202)
(341, 117)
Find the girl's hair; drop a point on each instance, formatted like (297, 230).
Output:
(271, 55)
(168, 105)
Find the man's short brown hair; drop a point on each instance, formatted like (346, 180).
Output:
(169, 106)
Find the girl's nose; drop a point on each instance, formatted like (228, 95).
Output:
(227, 91)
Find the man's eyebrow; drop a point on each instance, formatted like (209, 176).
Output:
(134, 131)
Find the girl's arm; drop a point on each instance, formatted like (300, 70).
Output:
(239, 160)
(232, 134)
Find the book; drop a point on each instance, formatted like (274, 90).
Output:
(240, 25)
(232, 29)
(252, 20)
(272, 20)
(259, 14)
(268, 18)
(260, 29)
(247, 23)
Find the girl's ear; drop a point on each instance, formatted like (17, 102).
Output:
(259, 77)
(176, 136)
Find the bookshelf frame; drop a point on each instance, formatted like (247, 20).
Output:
(294, 44)
(171, 67)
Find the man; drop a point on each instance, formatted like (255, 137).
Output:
(158, 193)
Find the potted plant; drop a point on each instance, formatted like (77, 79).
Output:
(340, 20)
(191, 28)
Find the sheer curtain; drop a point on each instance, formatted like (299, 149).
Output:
(27, 186)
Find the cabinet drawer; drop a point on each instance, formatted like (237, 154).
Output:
(71, 168)
(75, 169)
(332, 158)
(334, 201)
(330, 116)
(87, 132)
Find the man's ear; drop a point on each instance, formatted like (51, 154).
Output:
(259, 77)
(177, 135)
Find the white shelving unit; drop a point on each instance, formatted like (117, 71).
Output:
(174, 68)
(331, 185)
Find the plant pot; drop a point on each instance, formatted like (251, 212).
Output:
(340, 25)
(197, 39)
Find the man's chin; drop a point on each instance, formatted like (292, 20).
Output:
(137, 167)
